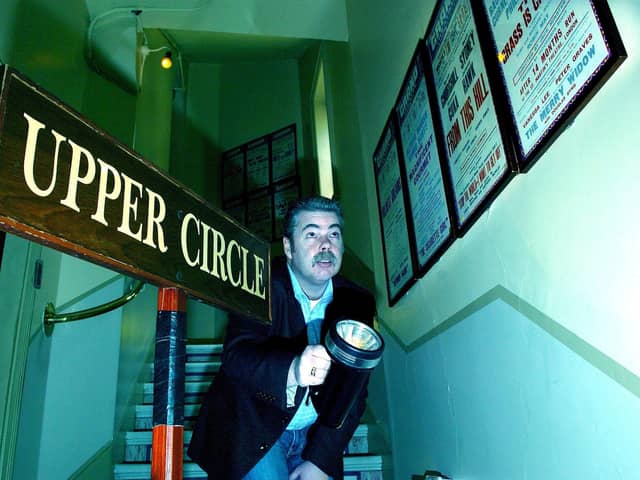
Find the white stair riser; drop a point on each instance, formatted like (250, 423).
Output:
(193, 392)
(193, 472)
(204, 349)
(138, 445)
(194, 371)
(144, 421)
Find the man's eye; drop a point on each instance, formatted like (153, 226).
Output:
(334, 234)
(311, 234)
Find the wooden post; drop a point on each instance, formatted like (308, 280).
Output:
(168, 386)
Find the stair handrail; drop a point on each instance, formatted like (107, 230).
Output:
(50, 317)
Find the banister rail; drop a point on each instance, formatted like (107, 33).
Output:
(50, 317)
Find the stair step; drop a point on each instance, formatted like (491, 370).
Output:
(138, 444)
(144, 416)
(193, 392)
(197, 351)
(365, 467)
(144, 421)
(194, 371)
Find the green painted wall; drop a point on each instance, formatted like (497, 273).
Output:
(195, 131)
(346, 147)
(79, 398)
(307, 71)
(15, 332)
(257, 98)
(152, 133)
(520, 341)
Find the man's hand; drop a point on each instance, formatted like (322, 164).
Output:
(308, 471)
(312, 366)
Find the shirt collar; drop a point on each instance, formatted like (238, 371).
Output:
(302, 298)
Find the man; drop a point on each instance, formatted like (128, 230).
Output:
(259, 418)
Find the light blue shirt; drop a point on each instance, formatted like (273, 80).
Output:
(313, 317)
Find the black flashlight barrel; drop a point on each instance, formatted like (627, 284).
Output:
(340, 391)
(355, 349)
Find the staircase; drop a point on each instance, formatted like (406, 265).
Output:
(203, 361)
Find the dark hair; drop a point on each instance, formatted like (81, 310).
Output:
(311, 204)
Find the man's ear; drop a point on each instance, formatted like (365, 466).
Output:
(286, 245)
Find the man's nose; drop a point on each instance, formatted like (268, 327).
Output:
(325, 244)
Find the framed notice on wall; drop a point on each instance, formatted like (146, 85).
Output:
(283, 154)
(260, 179)
(429, 208)
(259, 215)
(480, 158)
(257, 164)
(232, 174)
(553, 56)
(285, 195)
(237, 210)
(398, 260)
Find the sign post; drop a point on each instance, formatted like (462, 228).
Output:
(167, 440)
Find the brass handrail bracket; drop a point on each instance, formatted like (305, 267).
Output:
(50, 317)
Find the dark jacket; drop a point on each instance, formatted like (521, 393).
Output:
(245, 410)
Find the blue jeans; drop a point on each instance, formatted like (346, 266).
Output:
(282, 458)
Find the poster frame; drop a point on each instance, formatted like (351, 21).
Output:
(394, 296)
(419, 57)
(500, 107)
(566, 115)
(249, 194)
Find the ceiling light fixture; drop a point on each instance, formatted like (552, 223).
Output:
(166, 61)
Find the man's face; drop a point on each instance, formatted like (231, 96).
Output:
(315, 251)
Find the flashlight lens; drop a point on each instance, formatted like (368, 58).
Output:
(358, 335)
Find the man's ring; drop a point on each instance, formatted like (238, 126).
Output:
(313, 371)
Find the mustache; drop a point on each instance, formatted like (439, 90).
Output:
(323, 257)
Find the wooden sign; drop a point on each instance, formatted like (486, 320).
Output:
(67, 184)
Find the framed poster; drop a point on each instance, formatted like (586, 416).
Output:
(258, 164)
(283, 154)
(232, 174)
(260, 172)
(284, 196)
(237, 210)
(429, 208)
(398, 260)
(259, 215)
(553, 57)
(480, 158)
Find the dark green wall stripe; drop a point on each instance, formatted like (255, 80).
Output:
(608, 366)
